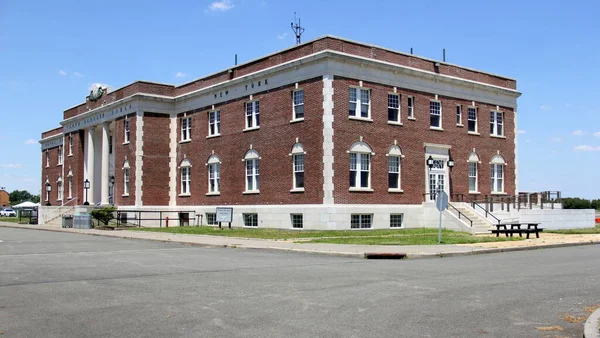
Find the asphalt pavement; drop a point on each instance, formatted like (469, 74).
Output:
(56, 284)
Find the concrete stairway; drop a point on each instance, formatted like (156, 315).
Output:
(481, 225)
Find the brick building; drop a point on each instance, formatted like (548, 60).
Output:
(329, 134)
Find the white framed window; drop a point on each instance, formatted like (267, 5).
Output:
(252, 114)
(459, 115)
(70, 182)
(435, 114)
(186, 168)
(47, 158)
(496, 123)
(472, 119)
(298, 104)
(360, 166)
(214, 174)
(396, 220)
(250, 220)
(126, 178)
(297, 221)
(361, 221)
(393, 108)
(127, 130)
(47, 192)
(59, 189)
(411, 107)
(70, 140)
(214, 123)
(252, 160)
(298, 167)
(60, 155)
(473, 162)
(211, 218)
(498, 164)
(394, 156)
(360, 102)
(186, 129)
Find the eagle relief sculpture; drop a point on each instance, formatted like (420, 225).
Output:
(96, 93)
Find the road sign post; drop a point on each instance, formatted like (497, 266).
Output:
(441, 203)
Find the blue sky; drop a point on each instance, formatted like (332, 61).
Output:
(51, 52)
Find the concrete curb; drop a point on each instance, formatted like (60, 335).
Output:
(363, 255)
(592, 325)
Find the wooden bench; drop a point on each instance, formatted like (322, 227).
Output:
(515, 228)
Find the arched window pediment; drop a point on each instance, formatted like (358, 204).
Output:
(185, 163)
(298, 148)
(473, 157)
(395, 151)
(251, 155)
(498, 159)
(361, 147)
(213, 159)
(126, 165)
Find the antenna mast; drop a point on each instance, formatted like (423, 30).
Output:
(298, 30)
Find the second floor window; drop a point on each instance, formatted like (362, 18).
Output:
(127, 131)
(60, 155)
(459, 114)
(411, 107)
(214, 123)
(298, 98)
(252, 114)
(47, 159)
(393, 108)
(360, 103)
(496, 123)
(472, 119)
(435, 113)
(186, 129)
(70, 144)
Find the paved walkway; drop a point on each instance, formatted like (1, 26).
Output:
(546, 240)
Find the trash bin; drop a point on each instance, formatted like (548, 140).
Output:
(82, 221)
(184, 219)
(67, 221)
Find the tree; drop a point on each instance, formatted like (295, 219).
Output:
(103, 215)
(35, 199)
(19, 196)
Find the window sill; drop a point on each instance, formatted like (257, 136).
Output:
(59, 165)
(394, 123)
(213, 136)
(213, 194)
(297, 190)
(251, 129)
(436, 128)
(460, 125)
(59, 200)
(360, 189)
(473, 133)
(498, 193)
(125, 143)
(297, 120)
(185, 141)
(70, 155)
(251, 192)
(498, 136)
(395, 190)
(357, 118)
(185, 195)
(125, 195)
(474, 193)
(411, 118)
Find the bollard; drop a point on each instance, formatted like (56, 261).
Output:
(167, 221)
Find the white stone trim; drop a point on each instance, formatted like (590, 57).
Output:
(328, 158)
(173, 160)
(139, 157)
(516, 133)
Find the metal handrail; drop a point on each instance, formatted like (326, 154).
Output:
(473, 204)
(461, 214)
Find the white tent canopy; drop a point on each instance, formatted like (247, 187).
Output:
(26, 205)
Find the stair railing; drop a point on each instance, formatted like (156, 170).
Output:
(474, 205)
(460, 214)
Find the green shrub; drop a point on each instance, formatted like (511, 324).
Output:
(103, 215)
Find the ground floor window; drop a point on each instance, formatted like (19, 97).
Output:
(297, 221)
(251, 220)
(361, 221)
(211, 218)
(396, 220)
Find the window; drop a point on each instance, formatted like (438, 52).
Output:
(70, 181)
(394, 108)
(60, 155)
(361, 221)
(214, 174)
(47, 159)
(47, 192)
(211, 218)
(252, 114)
(435, 114)
(110, 144)
(251, 220)
(394, 172)
(472, 176)
(360, 166)
(297, 221)
(298, 167)
(472, 112)
(498, 174)
(214, 123)
(186, 129)
(411, 107)
(459, 115)
(298, 101)
(396, 220)
(59, 186)
(185, 169)
(496, 123)
(360, 103)
(126, 178)
(252, 171)
(126, 128)
(70, 144)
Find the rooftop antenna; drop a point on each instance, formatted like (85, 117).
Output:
(298, 30)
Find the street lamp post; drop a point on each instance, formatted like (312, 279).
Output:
(86, 186)
(112, 187)
(48, 190)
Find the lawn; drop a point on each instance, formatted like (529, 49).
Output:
(581, 231)
(369, 237)
(12, 219)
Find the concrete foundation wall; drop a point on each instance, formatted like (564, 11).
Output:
(560, 218)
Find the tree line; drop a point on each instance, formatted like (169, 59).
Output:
(20, 196)
(580, 203)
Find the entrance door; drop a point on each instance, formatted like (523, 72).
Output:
(437, 178)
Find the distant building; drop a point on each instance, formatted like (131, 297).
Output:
(329, 134)
(4, 198)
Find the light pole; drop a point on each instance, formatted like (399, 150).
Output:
(112, 188)
(48, 190)
(86, 186)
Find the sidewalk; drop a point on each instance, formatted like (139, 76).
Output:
(546, 240)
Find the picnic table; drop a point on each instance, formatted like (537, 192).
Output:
(517, 228)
